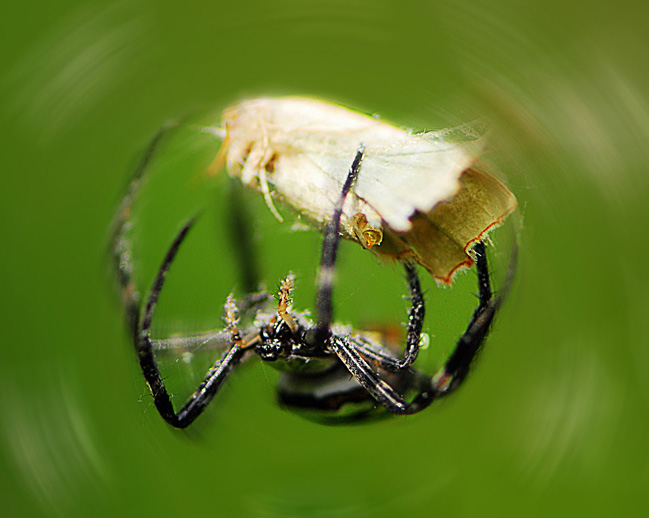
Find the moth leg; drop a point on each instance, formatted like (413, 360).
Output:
(256, 164)
(215, 376)
(324, 303)
(263, 182)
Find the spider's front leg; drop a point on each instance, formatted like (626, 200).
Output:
(324, 297)
(215, 376)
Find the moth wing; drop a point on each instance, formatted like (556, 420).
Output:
(413, 172)
(305, 185)
(413, 176)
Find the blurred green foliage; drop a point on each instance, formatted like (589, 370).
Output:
(553, 420)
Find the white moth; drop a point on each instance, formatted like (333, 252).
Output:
(418, 197)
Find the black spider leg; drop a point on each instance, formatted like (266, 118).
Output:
(384, 358)
(242, 238)
(455, 369)
(324, 302)
(121, 249)
(353, 352)
(415, 318)
(215, 376)
(457, 366)
(324, 297)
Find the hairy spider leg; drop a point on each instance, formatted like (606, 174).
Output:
(336, 388)
(240, 232)
(458, 364)
(120, 241)
(383, 358)
(415, 318)
(452, 373)
(215, 376)
(324, 296)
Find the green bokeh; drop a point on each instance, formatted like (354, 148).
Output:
(553, 421)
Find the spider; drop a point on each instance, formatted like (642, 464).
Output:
(332, 371)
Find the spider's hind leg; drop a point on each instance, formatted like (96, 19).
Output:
(457, 367)
(121, 249)
(382, 357)
(415, 318)
(214, 377)
(451, 376)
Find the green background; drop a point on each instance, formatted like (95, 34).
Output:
(555, 418)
